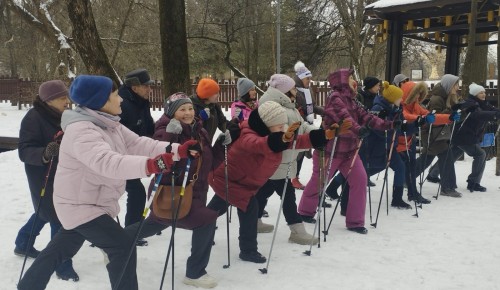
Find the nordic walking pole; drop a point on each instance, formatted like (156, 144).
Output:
(308, 253)
(424, 165)
(141, 224)
(264, 270)
(226, 178)
(321, 201)
(385, 178)
(410, 186)
(37, 213)
(344, 185)
(174, 222)
(448, 153)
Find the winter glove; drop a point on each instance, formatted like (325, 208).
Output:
(238, 113)
(404, 126)
(225, 138)
(382, 114)
(160, 163)
(471, 109)
(430, 118)
(205, 114)
(288, 136)
(190, 145)
(363, 132)
(310, 118)
(396, 124)
(336, 129)
(174, 127)
(455, 116)
(52, 150)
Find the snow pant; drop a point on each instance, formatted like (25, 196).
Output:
(410, 158)
(357, 200)
(23, 237)
(446, 165)
(300, 159)
(105, 234)
(247, 218)
(289, 204)
(201, 244)
(478, 164)
(136, 201)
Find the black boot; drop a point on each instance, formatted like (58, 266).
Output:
(332, 189)
(359, 230)
(473, 186)
(66, 272)
(415, 195)
(397, 198)
(252, 256)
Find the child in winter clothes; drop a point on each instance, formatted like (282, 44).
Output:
(252, 159)
(416, 117)
(442, 100)
(343, 106)
(97, 155)
(206, 107)
(38, 150)
(247, 101)
(178, 125)
(282, 90)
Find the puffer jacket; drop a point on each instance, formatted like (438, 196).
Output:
(97, 156)
(136, 113)
(243, 107)
(294, 116)
(342, 105)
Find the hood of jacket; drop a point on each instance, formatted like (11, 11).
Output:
(80, 114)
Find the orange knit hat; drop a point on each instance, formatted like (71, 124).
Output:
(207, 88)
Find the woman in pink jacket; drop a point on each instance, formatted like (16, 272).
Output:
(342, 105)
(97, 155)
(247, 101)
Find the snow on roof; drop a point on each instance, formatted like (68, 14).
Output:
(390, 3)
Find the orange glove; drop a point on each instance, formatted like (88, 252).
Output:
(336, 129)
(288, 136)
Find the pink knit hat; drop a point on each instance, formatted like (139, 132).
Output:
(281, 82)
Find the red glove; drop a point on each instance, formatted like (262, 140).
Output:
(160, 163)
(183, 150)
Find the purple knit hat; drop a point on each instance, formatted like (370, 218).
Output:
(281, 82)
(52, 90)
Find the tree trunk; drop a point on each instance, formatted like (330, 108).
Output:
(174, 49)
(87, 40)
(7, 21)
(469, 69)
(497, 171)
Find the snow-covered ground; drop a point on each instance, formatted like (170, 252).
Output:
(453, 245)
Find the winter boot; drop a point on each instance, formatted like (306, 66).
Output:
(308, 219)
(418, 197)
(359, 230)
(397, 198)
(450, 192)
(332, 189)
(252, 256)
(299, 235)
(66, 272)
(296, 183)
(265, 213)
(371, 183)
(473, 186)
(31, 252)
(141, 243)
(264, 228)
(206, 281)
(433, 179)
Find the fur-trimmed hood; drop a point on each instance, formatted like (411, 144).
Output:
(412, 91)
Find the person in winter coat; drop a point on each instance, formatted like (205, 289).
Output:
(468, 135)
(282, 91)
(442, 100)
(96, 157)
(206, 107)
(136, 116)
(307, 109)
(247, 101)
(178, 125)
(342, 105)
(38, 148)
(252, 160)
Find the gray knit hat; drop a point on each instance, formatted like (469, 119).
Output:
(244, 85)
(272, 114)
(399, 78)
(52, 90)
(448, 81)
(173, 103)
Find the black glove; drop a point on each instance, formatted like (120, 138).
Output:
(420, 121)
(396, 124)
(363, 132)
(52, 150)
(404, 126)
(382, 114)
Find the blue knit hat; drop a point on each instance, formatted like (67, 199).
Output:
(91, 91)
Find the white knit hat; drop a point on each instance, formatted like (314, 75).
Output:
(475, 89)
(281, 82)
(302, 71)
(272, 114)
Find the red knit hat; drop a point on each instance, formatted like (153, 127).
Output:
(207, 88)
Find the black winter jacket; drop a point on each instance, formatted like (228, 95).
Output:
(216, 118)
(136, 114)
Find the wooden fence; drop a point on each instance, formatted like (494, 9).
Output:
(22, 92)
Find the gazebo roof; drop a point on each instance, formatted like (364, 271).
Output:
(447, 16)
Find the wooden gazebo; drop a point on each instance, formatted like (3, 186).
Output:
(442, 22)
